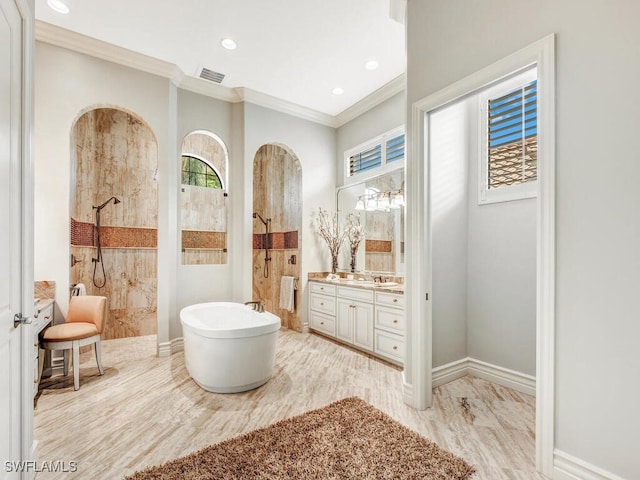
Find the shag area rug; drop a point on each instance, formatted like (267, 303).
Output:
(348, 439)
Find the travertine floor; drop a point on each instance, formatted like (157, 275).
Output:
(146, 410)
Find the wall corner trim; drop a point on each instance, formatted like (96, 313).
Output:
(166, 349)
(568, 467)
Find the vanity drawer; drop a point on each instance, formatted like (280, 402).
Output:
(390, 299)
(356, 294)
(390, 346)
(323, 303)
(323, 288)
(323, 323)
(390, 319)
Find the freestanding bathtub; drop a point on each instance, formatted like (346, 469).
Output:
(228, 347)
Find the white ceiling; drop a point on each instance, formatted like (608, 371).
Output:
(294, 50)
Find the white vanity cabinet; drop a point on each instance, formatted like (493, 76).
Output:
(389, 326)
(322, 308)
(365, 318)
(355, 317)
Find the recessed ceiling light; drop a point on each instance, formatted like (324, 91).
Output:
(228, 44)
(337, 91)
(371, 65)
(58, 6)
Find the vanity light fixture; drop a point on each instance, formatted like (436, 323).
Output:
(337, 91)
(371, 65)
(228, 43)
(381, 201)
(360, 204)
(58, 6)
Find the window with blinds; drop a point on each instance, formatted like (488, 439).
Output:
(395, 148)
(512, 137)
(366, 160)
(376, 153)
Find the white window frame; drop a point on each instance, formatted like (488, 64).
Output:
(384, 166)
(512, 192)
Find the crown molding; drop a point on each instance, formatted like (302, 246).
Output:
(274, 103)
(372, 100)
(61, 37)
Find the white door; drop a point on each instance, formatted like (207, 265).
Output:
(11, 249)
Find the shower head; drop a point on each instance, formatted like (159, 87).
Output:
(115, 202)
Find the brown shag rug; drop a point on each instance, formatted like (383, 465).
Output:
(348, 439)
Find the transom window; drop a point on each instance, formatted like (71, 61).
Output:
(509, 157)
(377, 153)
(198, 173)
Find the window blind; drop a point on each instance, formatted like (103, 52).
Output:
(395, 148)
(365, 160)
(513, 128)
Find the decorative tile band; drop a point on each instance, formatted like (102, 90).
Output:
(276, 240)
(204, 239)
(378, 246)
(82, 235)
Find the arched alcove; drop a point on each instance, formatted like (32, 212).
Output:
(203, 199)
(277, 199)
(114, 161)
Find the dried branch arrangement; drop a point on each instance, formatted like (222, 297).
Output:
(329, 229)
(355, 232)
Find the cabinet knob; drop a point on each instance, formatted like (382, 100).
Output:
(35, 380)
(321, 323)
(321, 288)
(47, 317)
(321, 303)
(395, 321)
(395, 347)
(35, 344)
(395, 300)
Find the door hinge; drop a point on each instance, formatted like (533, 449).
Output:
(426, 297)
(18, 320)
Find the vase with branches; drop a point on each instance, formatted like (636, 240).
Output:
(355, 233)
(329, 229)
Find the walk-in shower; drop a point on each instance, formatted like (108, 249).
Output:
(98, 258)
(267, 258)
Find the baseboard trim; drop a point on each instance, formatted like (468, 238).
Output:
(568, 467)
(449, 372)
(166, 349)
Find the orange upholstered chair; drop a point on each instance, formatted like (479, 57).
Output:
(83, 326)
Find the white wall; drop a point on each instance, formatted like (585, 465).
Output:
(315, 147)
(597, 221)
(449, 172)
(67, 84)
(207, 283)
(501, 269)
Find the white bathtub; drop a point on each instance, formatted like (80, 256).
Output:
(228, 347)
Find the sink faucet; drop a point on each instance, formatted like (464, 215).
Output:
(256, 305)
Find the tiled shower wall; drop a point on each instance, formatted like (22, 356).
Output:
(277, 181)
(204, 210)
(116, 154)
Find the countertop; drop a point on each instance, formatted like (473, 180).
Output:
(367, 285)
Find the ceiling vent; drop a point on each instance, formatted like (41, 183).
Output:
(215, 77)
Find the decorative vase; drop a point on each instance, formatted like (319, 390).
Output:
(353, 262)
(334, 264)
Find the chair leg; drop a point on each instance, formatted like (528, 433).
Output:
(98, 359)
(76, 366)
(65, 362)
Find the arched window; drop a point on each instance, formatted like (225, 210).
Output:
(198, 173)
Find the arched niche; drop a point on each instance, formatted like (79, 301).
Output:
(203, 199)
(277, 198)
(114, 153)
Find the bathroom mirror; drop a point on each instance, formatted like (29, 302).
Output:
(379, 202)
(203, 199)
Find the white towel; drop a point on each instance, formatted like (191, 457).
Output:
(287, 293)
